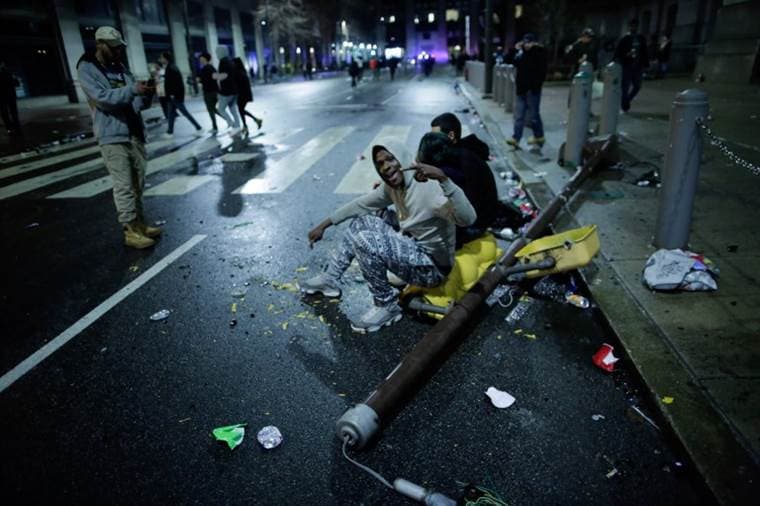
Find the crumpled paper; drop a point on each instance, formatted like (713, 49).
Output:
(680, 270)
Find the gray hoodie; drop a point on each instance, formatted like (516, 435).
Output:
(114, 104)
(427, 211)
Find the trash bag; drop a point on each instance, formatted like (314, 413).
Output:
(680, 270)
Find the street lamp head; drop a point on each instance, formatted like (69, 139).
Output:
(263, 22)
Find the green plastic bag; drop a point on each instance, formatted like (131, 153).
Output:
(230, 434)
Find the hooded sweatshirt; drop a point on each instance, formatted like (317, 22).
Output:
(115, 106)
(428, 212)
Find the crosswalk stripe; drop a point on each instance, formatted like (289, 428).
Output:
(362, 173)
(97, 186)
(278, 176)
(5, 160)
(46, 162)
(179, 185)
(43, 180)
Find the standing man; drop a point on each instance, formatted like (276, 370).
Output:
(392, 64)
(530, 64)
(116, 100)
(631, 54)
(210, 91)
(227, 87)
(585, 49)
(8, 106)
(428, 204)
(174, 87)
(663, 55)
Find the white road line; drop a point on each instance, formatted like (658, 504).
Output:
(97, 186)
(179, 185)
(277, 177)
(48, 151)
(362, 173)
(384, 102)
(70, 333)
(46, 162)
(43, 180)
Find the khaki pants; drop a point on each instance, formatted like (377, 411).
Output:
(126, 163)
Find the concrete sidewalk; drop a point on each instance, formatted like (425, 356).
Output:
(702, 349)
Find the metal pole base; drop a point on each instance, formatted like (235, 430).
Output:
(358, 425)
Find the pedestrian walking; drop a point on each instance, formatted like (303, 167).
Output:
(584, 49)
(245, 93)
(631, 54)
(353, 71)
(227, 86)
(530, 65)
(175, 93)
(8, 105)
(116, 100)
(662, 55)
(210, 88)
(392, 65)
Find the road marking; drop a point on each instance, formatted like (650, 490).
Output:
(179, 185)
(46, 151)
(70, 333)
(362, 173)
(46, 162)
(43, 180)
(385, 102)
(278, 176)
(97, 186)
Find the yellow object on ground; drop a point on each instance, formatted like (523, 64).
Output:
(470, 262)
(570, 250)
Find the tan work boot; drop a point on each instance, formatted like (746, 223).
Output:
(135, 238)
(149, 231)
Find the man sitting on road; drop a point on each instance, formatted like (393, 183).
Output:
(468, 172)
(449, 124)
(116, 101)
(429, 206)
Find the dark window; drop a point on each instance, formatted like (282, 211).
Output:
(223, 22)
(95, 8)
(151, 11)
(670, 21)
(195, 14)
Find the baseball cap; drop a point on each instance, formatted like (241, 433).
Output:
(589, 32)
(110, 36)
(529, 37)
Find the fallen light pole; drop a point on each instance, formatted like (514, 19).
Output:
(361, 423)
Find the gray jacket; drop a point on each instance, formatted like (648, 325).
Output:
(114, 104)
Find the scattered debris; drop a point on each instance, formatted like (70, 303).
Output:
(160, 315)
(269, 437)
(520, 309)
(158, 223)
(645, 417)
(650, 179)
(233, 322)
(243, 224)
(604, 359)
(577, 300)
(32, 225)
(499, 398)
(302, 269)
(233, 309)
(667, 400)
(612, 473)
(290, 287)
(134, 268)
(284, 325)
(231, 434)
(597, 417)
(239, 293)
(677, 269)
(185, 420)
(316, 177)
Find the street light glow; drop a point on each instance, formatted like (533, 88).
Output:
(391, 19)
(431, 17)
(382, 18)
(263, 22)
(282, 50)
(311, 50)
(298, 50)
(361, 46)
(416, 20)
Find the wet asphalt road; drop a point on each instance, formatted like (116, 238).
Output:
(122, 412)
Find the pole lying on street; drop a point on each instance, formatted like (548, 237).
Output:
(611, 96)
(577, 122)
(360, 423)
(681, 170)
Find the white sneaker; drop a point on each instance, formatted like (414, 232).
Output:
(376, 318)
(167, 136)
(321, 283)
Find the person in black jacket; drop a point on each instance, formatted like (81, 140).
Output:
(228, 89)
(449, 124)
(211, 91)
(245, 94)
(530, 64)
(8, 107)
(174, 87)
(631, 54)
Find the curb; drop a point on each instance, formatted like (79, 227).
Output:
(726, 466)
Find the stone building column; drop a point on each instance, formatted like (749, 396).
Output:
(212, 37)
(138, 63)
(238, 43)
(178, 33)
(71, 39)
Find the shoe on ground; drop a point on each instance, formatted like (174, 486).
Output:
(149, 231)
(376, 318)
(135, 238)
(513, 142)
(321, 283)
(167, 136)
(259, 122)
(537, 141)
